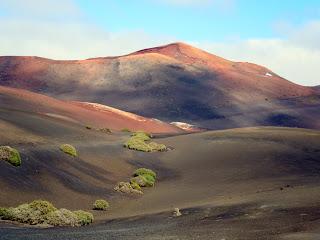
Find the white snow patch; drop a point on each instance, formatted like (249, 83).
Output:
(184, 126)
(269, 74)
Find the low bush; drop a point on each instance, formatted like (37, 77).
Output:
(84, 218)
(139, 141)
(5, 213)
(126, 187)
(11, 155)
(69, 149)
(62, 217)
(88, 127)
(135, 186)
(143, 181)
(145, 171)
(100, 205)
(43, 212)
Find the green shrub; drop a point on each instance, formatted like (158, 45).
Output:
(44, 207)
(139, 141)
(150, 180)
(100, 205)
(145, 171)
(62, 217)
(33, 213)
(5, 213)
(146, 136)
(135, 186)
(141, 181)
(69, 149)
(39, 211)
(84, 218)
(144, 177)
(126, 187)
(10, 155)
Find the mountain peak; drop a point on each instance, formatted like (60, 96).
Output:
(185, 53)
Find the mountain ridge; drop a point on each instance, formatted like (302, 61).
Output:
(174, 83)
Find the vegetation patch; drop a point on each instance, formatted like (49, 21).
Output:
(142, 177)
(100, 205)
(84, 218)
(10, 155)
(126, 187)
(145, 171)
(43, 212)
(140, 141)
(69, 149)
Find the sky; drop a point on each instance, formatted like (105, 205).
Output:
(281, 35)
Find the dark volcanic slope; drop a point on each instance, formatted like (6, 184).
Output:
(254, 183)
(175, 82)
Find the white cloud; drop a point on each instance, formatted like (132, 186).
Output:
(296, 56)
(58, 30)
(40, 8)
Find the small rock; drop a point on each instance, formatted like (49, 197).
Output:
(176, 212)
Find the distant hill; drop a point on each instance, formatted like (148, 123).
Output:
(87, 114)
(176, 83)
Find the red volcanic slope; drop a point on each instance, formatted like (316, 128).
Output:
(243, 81)
(95, 115)
(238, 77)
(174, 83)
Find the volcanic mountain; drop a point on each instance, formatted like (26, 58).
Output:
(176, 83)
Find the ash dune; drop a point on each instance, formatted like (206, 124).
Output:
(94, 115)
(252, 179)
(174, 83)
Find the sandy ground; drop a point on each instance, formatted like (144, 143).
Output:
(250, 183)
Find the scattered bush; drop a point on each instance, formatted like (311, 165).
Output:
(139, 141)
(5, 213)
(126, 187)
(33, 213)
(150, 181)
(144, 171)
(10, 155)
(39, 212)
(69, 149)
(41, 206)
(100, 205)
(62, 217)
(142, 177)
(88, 127)
(141, 181)
(135, 186)
(84, 218)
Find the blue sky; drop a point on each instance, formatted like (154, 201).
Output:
(200, 21)
(281, 35)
